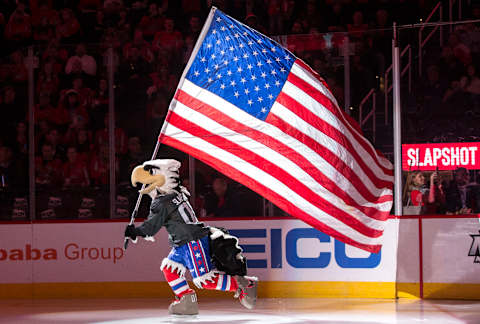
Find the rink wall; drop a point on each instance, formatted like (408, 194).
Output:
(85, 259)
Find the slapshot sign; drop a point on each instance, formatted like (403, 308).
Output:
(440, 156)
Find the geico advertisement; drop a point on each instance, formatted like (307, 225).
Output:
(276, 250)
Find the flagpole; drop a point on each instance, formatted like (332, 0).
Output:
(397, 124)
(195, 50)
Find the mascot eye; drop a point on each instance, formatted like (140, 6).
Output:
(149, 168)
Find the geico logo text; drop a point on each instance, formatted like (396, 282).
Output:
(288, 243)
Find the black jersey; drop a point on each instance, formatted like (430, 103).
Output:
(173, 211)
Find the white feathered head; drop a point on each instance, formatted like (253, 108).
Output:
(160, 176)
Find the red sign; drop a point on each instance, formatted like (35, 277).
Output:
(441, 156)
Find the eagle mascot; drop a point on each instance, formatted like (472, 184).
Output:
(212, 256)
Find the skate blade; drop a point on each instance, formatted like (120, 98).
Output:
(175, 318)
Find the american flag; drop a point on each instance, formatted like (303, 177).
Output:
(252, 110)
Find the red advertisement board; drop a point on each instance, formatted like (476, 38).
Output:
(441, 156)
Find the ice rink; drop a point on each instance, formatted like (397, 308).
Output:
(216, 310)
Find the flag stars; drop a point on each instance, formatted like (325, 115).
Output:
(216, 66)
(249, 66)
(273, 72)
(227, 38)
(245, 56)
(273, 49)
(231, 26)
(264, 110)
(250, 102)
(277, 59)
(277, 83)
(218, 42)
(259, 64)
(229, 73)
(259, 41)
(241, 45)
(253, 77)
(210, 80)
(282, 70)
(203, 60)
(287, 57)
(209, 45)
(231, 48)
(259, 99)
(250, 43)
(270, 96)
(219, 75)
(245, 33)
(222, 86)
(233, 83)
(223, 28)
(239, 69)
(225, 62)
(219, 19)
(237, 35)
(214, 31)
(242, 80)
(246, 91)
(198, 255)
(213, 56)
(235, 58)
(207, 70)
(196, 73)
(264, 51)
(236, 94)
(222, 52)
(264, 75)
(267, 86)
(255, 53)
(257, 88)
(269, 61)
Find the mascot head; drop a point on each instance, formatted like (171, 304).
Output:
(159, 177)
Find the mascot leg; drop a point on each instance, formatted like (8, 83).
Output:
(186, 299)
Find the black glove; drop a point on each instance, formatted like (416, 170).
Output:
(131, 233)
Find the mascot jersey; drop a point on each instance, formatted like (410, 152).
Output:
(173, 211)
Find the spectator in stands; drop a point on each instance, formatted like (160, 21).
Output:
(96, 33)
(459, 196)
(99, 168)
(336, 18)
(99, 105)
(153, 21)
(68, 28)
(75, 172)
(452, 68)
(84, 144)
(251, 20)
(431, 197)
(18, 69)
(134, 156)
(432, 90)
(124, 27)
(56, 55)
(472, 87)
(141, 45)
(194, 26)
(12, 108)
(48, 81)
(71, 102)
(81, 62)
(101, 138)
(460, 50)
(18, 28)
(358, 27)
(169, 38)
(221, 202)
(21, 139)
(48, 168)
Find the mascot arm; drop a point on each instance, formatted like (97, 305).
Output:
(154, 221)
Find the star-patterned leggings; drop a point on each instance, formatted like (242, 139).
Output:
(195, 256)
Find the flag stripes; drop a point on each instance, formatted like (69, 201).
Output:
(252, 110)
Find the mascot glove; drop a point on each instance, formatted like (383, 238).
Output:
(131, 233)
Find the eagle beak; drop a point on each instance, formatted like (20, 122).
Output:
(139, 175)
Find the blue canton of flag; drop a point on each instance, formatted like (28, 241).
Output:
(241, 65)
